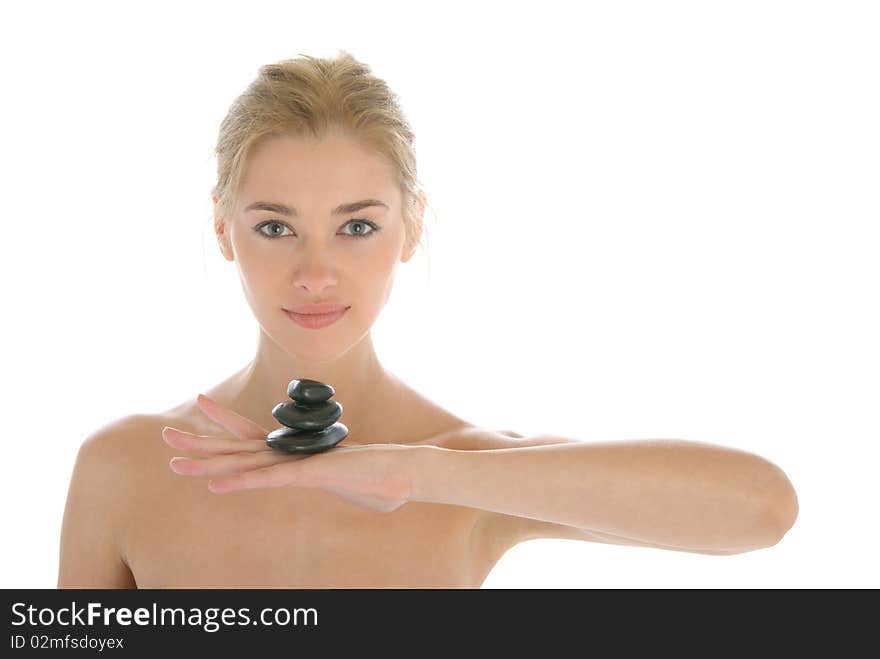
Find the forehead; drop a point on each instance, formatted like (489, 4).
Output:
(302, 169)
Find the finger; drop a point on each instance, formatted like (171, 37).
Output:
(188, 441)
(240, 426)
(278, 475)
(224, 465)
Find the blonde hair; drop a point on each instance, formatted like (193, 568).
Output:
(309, 95)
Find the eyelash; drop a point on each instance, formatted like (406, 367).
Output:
(375, 228)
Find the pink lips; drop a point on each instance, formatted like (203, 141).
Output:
(317, 308)
(314, 316)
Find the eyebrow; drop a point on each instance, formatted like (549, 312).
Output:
(342, 209)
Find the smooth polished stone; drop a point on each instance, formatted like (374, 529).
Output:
(295, 441)
(309, 391)
(301, 417)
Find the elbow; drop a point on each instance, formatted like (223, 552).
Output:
(775, 514)
(774, 510)
(782, 509)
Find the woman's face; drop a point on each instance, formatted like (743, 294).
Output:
(307, 250)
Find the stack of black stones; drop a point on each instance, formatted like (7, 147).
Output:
(310, 421)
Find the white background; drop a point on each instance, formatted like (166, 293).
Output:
(661, 217)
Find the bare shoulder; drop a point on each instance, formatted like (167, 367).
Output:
(117, 438)
(114, 453)
(101, 491)
(124, 450)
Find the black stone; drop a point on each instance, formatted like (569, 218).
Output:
(307, 417)
(309, 391)
(298, 441)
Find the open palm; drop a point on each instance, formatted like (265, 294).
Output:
(375, 476)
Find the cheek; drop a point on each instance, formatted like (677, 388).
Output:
(259, 274)
(371, 283)
(384, 270)
(256, 269)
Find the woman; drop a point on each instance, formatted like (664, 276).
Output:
(316, 203)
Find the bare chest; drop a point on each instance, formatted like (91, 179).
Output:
(180, 535)
(299, 538)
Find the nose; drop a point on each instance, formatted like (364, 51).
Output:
(314, 270)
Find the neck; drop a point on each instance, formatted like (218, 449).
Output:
(357, 378)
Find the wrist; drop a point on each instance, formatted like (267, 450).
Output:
(424, 466)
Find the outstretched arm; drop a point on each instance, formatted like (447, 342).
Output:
(680, 494)
(674, 494)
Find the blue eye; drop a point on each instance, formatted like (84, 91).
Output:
(281, 226)
(363, 232)
(260, 226)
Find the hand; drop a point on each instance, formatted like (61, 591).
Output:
(375, 476)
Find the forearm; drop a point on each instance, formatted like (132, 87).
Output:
(672, 492)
